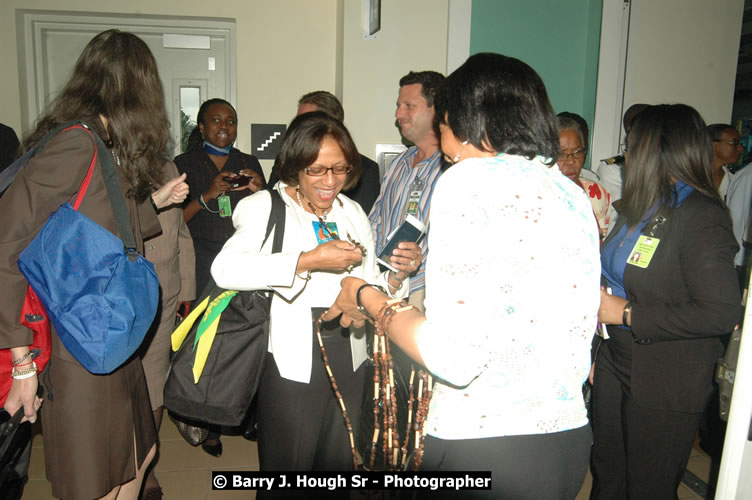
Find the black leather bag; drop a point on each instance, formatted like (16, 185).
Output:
(15, 445)
(235, 363)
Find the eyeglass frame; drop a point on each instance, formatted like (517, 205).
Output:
(572, 156)
(734, 143)
(348, 169)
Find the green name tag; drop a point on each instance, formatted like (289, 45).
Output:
(643, 251)
(225, 208)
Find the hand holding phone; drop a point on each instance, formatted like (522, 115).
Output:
(410, 230)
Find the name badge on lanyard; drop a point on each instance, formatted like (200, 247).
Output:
(225, 207)
(416, 192)
(643, 251)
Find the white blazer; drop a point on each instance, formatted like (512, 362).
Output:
(243, 265)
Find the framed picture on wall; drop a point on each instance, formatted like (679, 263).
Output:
(373, 19)
(385, 155)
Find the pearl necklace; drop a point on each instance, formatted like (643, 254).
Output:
(300, 202)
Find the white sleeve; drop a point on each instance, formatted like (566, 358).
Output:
(243, 265)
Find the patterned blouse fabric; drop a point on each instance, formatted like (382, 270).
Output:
(514, 277)
(600, 199)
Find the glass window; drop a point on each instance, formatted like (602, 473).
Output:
(190, 97)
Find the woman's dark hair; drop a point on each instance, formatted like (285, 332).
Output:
(499, 104)
(716, 130)
(667, 142)
(195, 139)
(302, 143)
(116, 76)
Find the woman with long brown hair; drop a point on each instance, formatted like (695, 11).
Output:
(99, 435)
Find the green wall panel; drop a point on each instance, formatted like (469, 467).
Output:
(558, 38)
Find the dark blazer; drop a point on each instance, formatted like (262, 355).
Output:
(682, 303)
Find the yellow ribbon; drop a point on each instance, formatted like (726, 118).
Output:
(181, 332)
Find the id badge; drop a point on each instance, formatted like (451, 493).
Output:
(324, 234)
(225, 207)
(643, 251)
(413, 203)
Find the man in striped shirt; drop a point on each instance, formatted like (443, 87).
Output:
(408, 182)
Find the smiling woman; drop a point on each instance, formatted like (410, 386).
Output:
(327, 237)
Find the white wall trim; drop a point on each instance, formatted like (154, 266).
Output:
(32, 25)
(612, 66)
(458, 33)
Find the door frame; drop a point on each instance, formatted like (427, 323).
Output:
(33, 26)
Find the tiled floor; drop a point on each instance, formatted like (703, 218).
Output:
(184, 472)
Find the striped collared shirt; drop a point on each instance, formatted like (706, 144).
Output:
(390, 208)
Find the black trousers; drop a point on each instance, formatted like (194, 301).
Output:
(534, 467)
(300, 426)
(638, 453)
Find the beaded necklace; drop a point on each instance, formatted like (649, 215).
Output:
(385, 423)
(322, 221)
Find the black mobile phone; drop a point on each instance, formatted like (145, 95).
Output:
(238, 181)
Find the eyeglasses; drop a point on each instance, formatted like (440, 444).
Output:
(579, 154)
(321, 171)
(733, 143)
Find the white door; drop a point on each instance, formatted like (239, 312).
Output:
(195, 57)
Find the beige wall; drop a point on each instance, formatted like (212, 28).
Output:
(284, 49)
(684, 51)
(413, 36)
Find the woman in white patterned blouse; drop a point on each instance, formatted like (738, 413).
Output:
(515, 277)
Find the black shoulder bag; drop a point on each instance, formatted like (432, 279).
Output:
(235, 364)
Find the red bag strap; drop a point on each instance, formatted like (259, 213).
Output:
(85, 184)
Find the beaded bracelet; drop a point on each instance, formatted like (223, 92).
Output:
(22, 374)
(15, 362)
(389, 309)
(361, 308)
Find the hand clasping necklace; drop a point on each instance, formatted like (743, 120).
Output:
(322, 221)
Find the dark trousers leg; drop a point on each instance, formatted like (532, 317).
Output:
(658, 445)
(608, 464)
(637, 452)
(531, 467)
(300, 426)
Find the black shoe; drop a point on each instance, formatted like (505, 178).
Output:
(250, 433)
(214, 450)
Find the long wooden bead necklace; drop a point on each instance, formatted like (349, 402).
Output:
(385, 421)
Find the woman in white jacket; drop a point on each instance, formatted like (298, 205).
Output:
(327, 237)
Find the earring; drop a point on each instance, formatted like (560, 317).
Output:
(459, 153)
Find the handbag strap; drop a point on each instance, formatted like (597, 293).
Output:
(276, 219)
(111, 181)
(117, 201)
(7, 176)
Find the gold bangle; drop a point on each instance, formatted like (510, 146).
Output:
(625, 313)
(22, 374)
